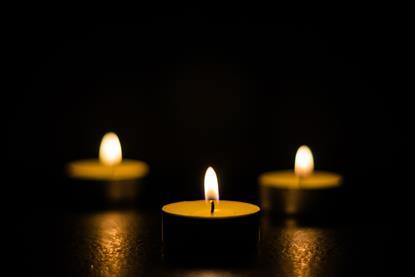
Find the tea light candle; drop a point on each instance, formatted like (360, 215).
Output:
(231, 226)
(201, 209)
(110, 174)
(110, 166)
(297, 191)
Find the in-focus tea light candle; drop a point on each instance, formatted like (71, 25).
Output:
(298, 191)
(190, 227)
(118, 177)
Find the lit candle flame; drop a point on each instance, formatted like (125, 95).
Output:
(110, 150)
(304, 163)
(211, 185)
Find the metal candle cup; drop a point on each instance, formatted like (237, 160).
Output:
(109, 179)
(300, 191)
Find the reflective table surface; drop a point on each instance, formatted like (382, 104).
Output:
(127, 242)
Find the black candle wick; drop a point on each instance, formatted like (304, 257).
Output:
(212, 206)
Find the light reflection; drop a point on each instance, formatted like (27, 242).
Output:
(302, 245)
(300, 251)
(112, 235)
(292, 201)
(110, 231)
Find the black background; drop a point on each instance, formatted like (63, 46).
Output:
(238, 88)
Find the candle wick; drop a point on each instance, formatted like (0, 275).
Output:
(212, 206)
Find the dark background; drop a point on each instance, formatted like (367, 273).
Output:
(184, 88)
(238, 88)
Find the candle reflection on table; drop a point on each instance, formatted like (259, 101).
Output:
(302, 245)
(111, 242)
(108, 243)
(301, 251)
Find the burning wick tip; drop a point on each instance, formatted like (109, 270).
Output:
(212, 206)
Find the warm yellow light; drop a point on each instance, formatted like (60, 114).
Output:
(211, 185)
(110, 150)
(304, 163)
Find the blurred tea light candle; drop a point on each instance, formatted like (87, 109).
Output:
(109, 179)
(190, 226)
(296, 191)
(110, 166)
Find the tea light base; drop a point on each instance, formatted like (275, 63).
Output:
(206, 241)
(285, 201)
(282, 192)
(94, 184)
(96, 194)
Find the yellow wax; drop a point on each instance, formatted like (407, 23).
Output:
(287, 179)
(95, 170)
(201, 209)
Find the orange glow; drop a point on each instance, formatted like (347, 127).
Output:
(303, 248)
(110, 150)
(304, 163)
(211, 185)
